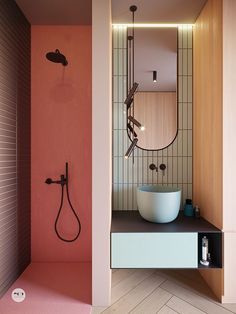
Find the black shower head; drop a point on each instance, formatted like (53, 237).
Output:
(57, 57)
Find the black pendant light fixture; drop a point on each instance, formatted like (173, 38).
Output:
(129, 99)
(131, 148)
(131, 129)
(132, 88)
(138, 124)
(154, 76)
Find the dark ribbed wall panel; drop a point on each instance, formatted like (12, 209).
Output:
(14, 143)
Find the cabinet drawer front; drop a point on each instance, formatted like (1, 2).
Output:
(154, 250)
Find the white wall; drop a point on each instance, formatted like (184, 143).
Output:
(229, 149)
(101, 151)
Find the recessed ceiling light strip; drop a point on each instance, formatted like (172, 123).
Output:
(152, 25)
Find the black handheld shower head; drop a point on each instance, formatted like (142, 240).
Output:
(57, 57)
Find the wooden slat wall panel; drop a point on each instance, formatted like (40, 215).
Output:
(207, 130)
(14, 143)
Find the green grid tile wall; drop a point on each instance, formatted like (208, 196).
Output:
(127, 176)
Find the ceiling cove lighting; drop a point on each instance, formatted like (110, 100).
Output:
(138, 124)
(151, 25)
(154, 76)
(131, 148)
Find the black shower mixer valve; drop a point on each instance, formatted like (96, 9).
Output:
(62, 182)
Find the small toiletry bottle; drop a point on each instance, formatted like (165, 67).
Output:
(188, 208)
(204, 248)
(197, 212)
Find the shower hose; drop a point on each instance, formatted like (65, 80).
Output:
(64, 183)
(59, 212)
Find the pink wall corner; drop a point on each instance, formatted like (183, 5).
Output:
(61, 131)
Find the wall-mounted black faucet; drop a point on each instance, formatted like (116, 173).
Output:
(162, 167)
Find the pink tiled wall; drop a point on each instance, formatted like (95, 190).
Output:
(61, 131)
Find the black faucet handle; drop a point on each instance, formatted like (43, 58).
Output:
(162, 167)
(153, 167)
(62, 182)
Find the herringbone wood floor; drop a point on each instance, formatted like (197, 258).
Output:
(148, 291)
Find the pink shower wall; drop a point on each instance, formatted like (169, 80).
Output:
(61, 131)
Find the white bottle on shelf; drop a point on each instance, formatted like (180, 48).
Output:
(204, 252)
(204, 260)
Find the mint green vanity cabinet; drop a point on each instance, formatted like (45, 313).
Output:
(137, 243)
(154, 250)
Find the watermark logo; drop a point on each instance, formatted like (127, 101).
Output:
(18, 295)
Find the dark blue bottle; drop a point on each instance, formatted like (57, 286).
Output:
(188, 208)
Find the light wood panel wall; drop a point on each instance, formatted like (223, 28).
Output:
(207, 122)
(157, 111)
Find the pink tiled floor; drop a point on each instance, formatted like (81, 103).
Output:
(52, 288)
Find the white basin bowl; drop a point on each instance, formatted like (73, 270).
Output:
(158, 203)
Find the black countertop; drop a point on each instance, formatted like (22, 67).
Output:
(131, 221)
